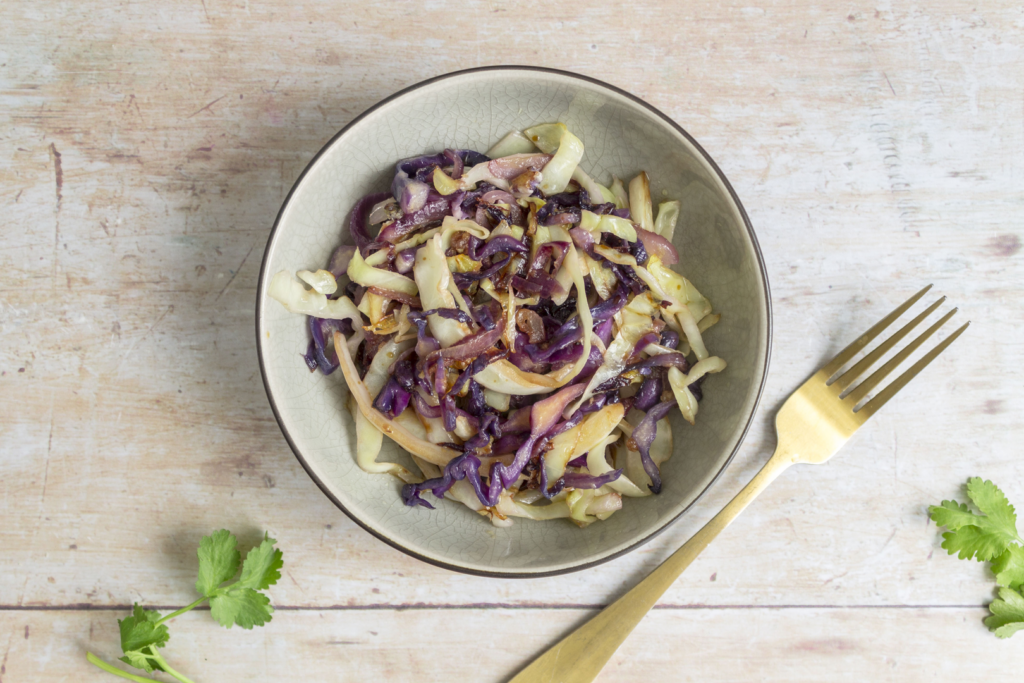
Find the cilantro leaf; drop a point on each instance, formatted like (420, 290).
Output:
(141, 630)
(1007, 613)
(236, 603)
(1001, 516)
(139, 633)
(1009, 567)
(218, 560)
(262, 566)
(242, 606)
(984, 537)
(141, 659)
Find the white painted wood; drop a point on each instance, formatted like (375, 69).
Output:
(146, 150)
(484, 646)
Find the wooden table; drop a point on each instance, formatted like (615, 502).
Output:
(146, 148)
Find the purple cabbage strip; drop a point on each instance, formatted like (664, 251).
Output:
(456, 161)
(402, 371)
(483, 316)
(549, 490)
(518, 421)
(424, 408)
(583, 239)
(580, 461)
(608, 208)
(461, 467)
(411, 194)
(639, 251)
(579, 480)
(508, 443)
(539, 283)
(434, 209)
(476, 404)
(569, 354)
(478, 364)
(501, 243)
(604, 331)
(696, 389)
(627, 277)
(644, 435)
(322, 330)
(464, 280)
(425, 344)
(452, 314)
(664, 360)
(606, 309)
(649, 393)
(310, 356)
(357, 223)
(643, 342)
(392, 399)
(670, 339)
(571, 203)
(568, 333)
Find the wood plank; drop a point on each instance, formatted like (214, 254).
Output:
(793, 645)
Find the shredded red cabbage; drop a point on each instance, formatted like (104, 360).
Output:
(489, 351)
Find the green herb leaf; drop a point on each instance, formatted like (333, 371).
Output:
(141, 660)
(984, 537)
(1007, 613)
(141, 630)
(262, 566)
(990, 500)
(238, 603)
(140, 635)
(1009, 567)
(218, 560)
(242, 606)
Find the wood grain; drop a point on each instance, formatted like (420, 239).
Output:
(774, 644)
(146, 150)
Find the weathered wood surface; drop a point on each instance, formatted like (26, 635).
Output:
(146, 149)
(706, 644)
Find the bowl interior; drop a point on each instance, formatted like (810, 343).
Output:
(622, 136)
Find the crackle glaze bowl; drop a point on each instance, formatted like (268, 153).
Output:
(622, 135)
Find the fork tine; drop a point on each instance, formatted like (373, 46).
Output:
(851, 375)
(853, 349)
(881, 373)
(869, 408)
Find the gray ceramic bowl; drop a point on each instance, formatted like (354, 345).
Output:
(622, 135)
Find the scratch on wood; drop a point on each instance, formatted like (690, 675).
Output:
(49, 449)
(207, 13)
(890, 83)
(144, 335)
(199, 111)
(58, 172)
(235, 274)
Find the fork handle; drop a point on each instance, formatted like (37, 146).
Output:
(581, 655)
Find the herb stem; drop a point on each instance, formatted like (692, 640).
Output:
(114, 670)
(158, 658)
(181, 611)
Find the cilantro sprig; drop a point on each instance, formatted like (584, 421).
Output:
(988, 537)
(234, 603)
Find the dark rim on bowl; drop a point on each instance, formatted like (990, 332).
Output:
(750, 233)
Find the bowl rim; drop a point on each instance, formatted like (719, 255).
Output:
(750, 233)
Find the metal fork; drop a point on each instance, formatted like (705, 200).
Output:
(814, 423)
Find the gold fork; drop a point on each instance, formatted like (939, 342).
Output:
(812, 425)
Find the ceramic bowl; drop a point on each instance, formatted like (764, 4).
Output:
(622, 135)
